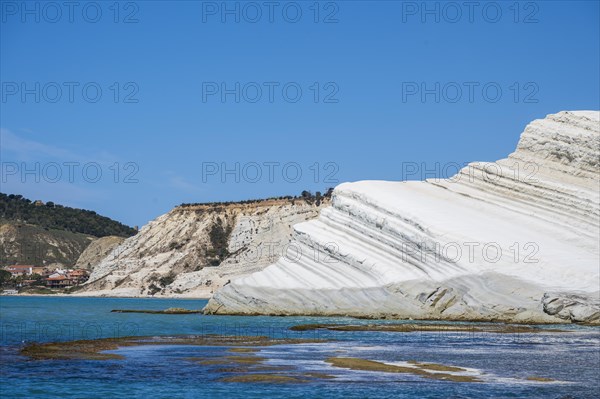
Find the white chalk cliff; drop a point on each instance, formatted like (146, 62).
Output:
(514, 240)
(193, 250)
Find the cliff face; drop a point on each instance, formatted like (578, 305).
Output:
(513, 240)
(193, 250)
(97, 250)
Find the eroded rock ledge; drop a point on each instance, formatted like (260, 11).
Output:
(514, 240)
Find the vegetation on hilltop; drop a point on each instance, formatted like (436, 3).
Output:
(16, 208)
(306, 195)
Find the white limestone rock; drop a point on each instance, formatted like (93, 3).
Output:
(487, 244)
(97, 250)
(191, 251)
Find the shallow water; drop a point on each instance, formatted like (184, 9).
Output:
(501, 361)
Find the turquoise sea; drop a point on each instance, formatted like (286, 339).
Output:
(502, 362)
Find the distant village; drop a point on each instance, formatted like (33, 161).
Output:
(52, 277)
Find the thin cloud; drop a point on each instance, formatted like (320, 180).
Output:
(27, 149)
(182, 184)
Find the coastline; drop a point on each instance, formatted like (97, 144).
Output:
(374, 317)
(380, 352)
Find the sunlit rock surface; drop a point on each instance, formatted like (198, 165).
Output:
(193, 250)
(514, 240)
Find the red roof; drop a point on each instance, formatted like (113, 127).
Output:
(58, 278)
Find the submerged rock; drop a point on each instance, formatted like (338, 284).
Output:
(94, 349)
(149, 311)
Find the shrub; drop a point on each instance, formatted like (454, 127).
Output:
(166, 280)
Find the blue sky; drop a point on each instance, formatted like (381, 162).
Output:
(163, 129)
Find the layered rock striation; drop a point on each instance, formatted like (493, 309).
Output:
(514, 240)
(193, 250)
(97, 250)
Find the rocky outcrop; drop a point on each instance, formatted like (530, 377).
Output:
(193, 250)
(97, 250)
(578, 308)
(497, 241)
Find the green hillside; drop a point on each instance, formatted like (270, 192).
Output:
(34, 233)
(15, 208)
(33, 245)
